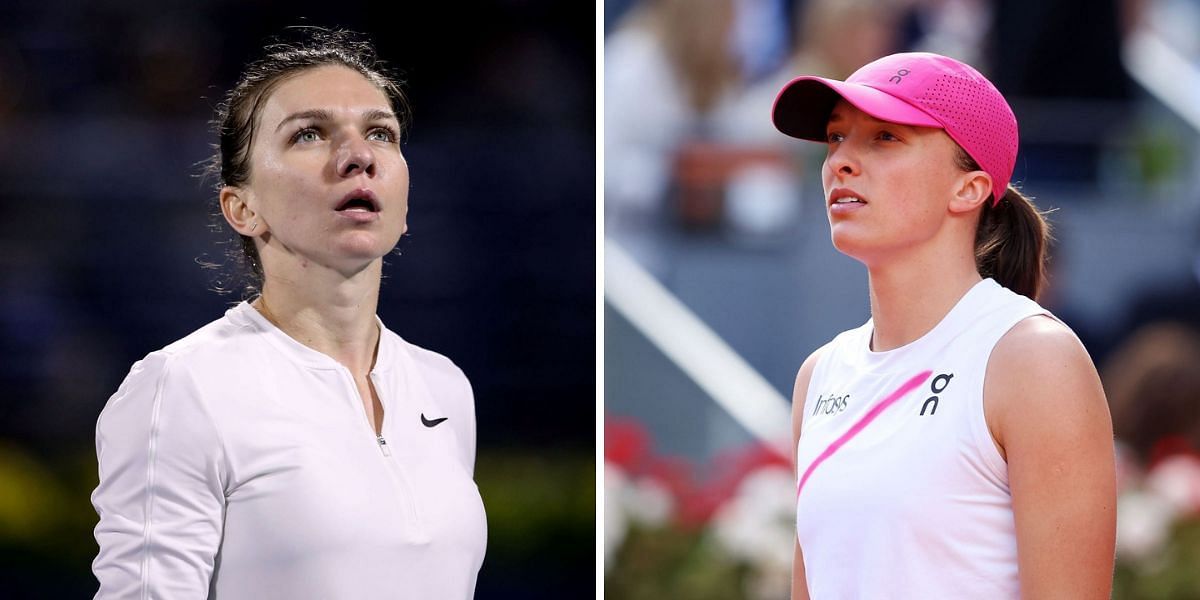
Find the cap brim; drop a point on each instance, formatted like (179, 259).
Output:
(803, 106)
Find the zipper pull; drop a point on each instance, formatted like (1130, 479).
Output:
(383, 446)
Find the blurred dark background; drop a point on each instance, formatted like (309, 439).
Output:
(104, 119)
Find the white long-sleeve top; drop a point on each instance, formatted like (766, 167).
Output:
(238, 463)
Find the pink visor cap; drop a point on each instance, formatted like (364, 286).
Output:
(912, 88)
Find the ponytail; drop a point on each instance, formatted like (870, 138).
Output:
(1010, 244)
(1011, 241)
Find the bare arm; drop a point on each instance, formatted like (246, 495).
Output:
(799, 582)
(1047, 412)
(799, 393)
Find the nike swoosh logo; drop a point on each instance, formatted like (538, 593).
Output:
(433, 423)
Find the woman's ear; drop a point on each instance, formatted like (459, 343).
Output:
(972, 190)
(238, 214)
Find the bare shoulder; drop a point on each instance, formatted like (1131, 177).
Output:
(1039, 377)
(1039, 331)
(1036, 348)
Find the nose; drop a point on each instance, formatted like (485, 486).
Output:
(842, 160)
(355, 157)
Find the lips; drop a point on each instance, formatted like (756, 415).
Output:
(359, 200)
(843, 196)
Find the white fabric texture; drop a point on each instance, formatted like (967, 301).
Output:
(914, 505)
(238, 463)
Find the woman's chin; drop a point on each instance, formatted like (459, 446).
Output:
(353, 258)
(364, 246)
(855, 244)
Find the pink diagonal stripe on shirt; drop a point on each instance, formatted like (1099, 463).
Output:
(862, 423)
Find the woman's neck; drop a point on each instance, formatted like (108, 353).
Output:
(910, 297)
(326, 311)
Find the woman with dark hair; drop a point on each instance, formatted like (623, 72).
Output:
(958, 444)
(296, 447)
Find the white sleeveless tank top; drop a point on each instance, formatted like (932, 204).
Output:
(902, 492)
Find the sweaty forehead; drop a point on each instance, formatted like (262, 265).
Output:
(334, 89)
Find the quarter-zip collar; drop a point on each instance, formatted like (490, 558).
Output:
(247, 315)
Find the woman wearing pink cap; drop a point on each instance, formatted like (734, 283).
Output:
(958, 444)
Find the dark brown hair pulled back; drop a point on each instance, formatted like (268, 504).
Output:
(1012, 239)
(297, 50)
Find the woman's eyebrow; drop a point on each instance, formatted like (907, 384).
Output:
(376, 114)
(320, 114)
(316, 114)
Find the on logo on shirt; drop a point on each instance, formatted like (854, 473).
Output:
(937, 386)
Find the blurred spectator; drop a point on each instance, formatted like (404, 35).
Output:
(955, 28)
(836, 37)
(669, 71)
(833, 38)
(753, 179)
(1153, 387)
(761, 33)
